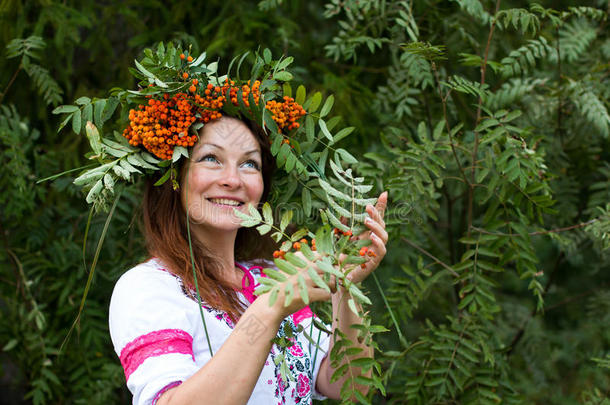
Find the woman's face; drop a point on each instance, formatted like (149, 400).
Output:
(224, 174)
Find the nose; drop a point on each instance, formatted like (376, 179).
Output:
(230, 177)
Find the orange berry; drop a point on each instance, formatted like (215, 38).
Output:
(182, 56)
(185, 75)
(195, 82)
(190, 58)
(303, 241)
(363, 251)
(276, 254)
(296, 245)
(363, 265)
(371, 253)
(192, 89)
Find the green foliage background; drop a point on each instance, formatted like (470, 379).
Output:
(487, 122)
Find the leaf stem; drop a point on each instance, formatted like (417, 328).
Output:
(430, 255)
(100, 243)
(401, 337)
(188, 232)
(479, 107)
(446, 118)
(544, 232)
(10, 83)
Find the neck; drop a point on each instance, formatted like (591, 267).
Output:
(222, 244)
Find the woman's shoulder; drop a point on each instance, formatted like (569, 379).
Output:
(147, 275)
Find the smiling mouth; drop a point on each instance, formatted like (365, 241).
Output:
(225, 202)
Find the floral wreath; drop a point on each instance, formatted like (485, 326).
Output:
(178, 93)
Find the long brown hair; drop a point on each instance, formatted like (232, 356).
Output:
(164, 227)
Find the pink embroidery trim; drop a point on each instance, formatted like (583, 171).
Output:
(301, 315)
(155, 344)
(162, 391)
(248, 290)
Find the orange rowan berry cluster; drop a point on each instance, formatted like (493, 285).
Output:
(365, 251)
(296, 246)
(286, 113)
(339, 232)
(162, 124)
(215, 97)
(279, 254)
(246, 90)
(210, 104)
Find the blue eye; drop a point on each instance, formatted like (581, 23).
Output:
(208, 158)
(252, 164)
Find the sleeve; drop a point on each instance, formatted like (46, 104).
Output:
(151, 333)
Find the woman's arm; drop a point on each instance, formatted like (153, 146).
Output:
(343, 316)
(231, 374)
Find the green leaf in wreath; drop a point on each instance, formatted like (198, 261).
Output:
(94, 138)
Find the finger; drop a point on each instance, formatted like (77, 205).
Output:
(375, 215)
(377, 229)
(378, 247)
(382, 203)
(333, 284)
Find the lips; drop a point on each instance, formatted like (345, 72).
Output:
(226, 201)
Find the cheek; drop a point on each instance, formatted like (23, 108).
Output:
(257, 187)
(192, 185)
(199, 180)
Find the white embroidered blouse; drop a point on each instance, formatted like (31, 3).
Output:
(158, 334)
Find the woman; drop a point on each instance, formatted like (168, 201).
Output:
(155, 320)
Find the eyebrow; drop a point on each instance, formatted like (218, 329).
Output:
(221, 148)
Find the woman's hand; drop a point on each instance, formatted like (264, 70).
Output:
(314, 292)
(378, 236)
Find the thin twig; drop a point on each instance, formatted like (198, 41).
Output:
(448, 128)
(545, 232)
(575, 297)
(10, 83)
(449, 223)
(560, 101)
(535, 312)
(475, 149)
(430, 255)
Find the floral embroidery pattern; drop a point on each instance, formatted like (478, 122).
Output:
(303, 385)
(299, 365)
(220, 315)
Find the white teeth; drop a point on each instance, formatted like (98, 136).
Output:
(225, 201)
